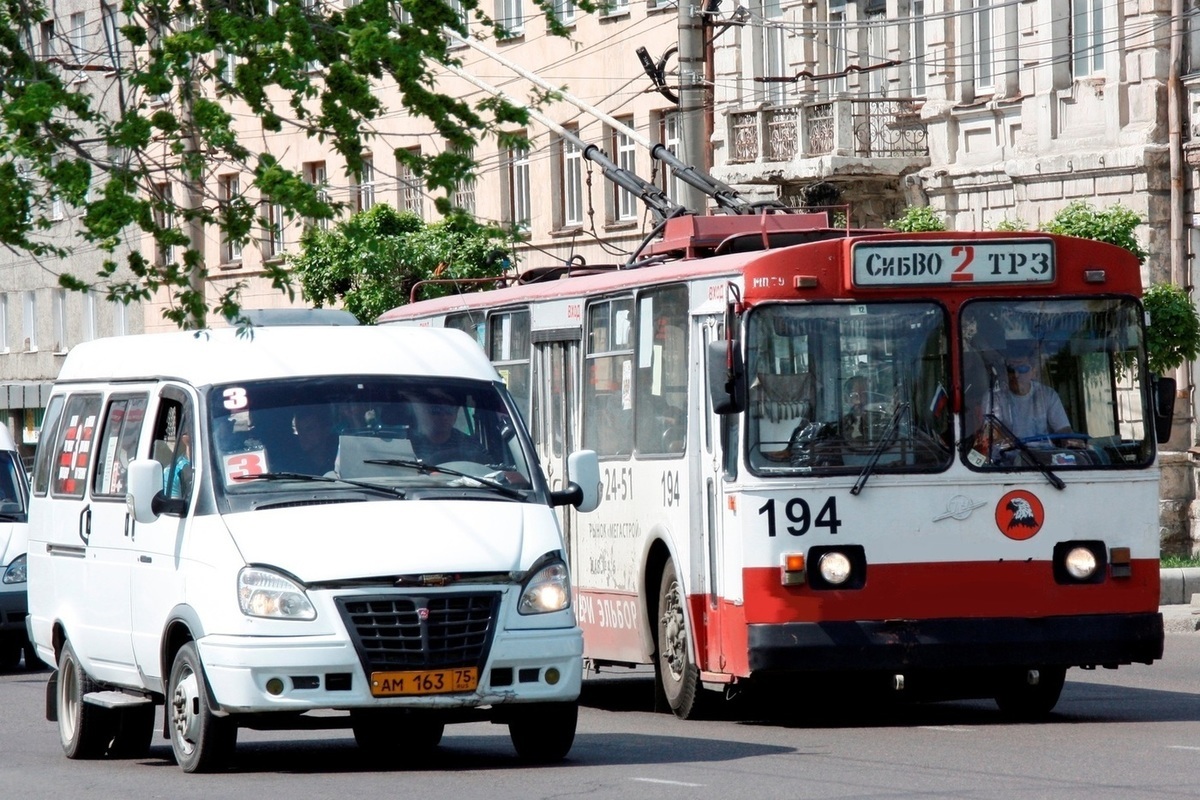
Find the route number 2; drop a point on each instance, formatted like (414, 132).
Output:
(797, 516)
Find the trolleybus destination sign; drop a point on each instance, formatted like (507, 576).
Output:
(923, 262)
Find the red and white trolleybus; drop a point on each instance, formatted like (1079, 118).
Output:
(818, 460)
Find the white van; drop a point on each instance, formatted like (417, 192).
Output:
(14, 502)
(194, 542)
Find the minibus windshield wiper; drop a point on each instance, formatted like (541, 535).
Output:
(1026, 451)
(426, 469)
(889, 436)
(394, 491)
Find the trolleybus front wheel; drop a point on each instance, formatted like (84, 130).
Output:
(1030, 693)
(676, 670)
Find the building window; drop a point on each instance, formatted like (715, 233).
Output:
(1087, 37)
(89, 317)
(464, 20)
(984, 29)
(364, 190)
(46, 43)
(463, 195)
(410, 196)
(164, 220)
(572, 183)
(29, 320)
(120, 318)
(59, 317)
(273, 227)
(669, 136)
(518, 187)
(625, 204)
(3, 323)
(916, 46)
(835, 53)
(613, 8)
(565, 11)
(774, 59)
(315, 175)
(230, 190)
(510, 15)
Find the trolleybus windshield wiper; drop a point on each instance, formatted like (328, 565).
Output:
(426, 469)
(1026, 451)
(394, 491)
(884, 443)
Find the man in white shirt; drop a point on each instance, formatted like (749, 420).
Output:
(1026, 406)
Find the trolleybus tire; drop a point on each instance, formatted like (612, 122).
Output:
(544, 733)
(201, 741)
(83, 729)
(1018, 698)
(674, 667)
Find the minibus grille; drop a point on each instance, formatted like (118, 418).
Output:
(421, 632)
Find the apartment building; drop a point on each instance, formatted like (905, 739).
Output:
(992, 112)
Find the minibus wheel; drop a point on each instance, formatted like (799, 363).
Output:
(543, 733)
(202, 741)
(84, 729)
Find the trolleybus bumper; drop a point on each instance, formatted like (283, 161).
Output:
(1106, 640)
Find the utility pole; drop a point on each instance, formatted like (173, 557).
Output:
(693, 96)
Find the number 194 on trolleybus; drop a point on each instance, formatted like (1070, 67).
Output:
(918, 461)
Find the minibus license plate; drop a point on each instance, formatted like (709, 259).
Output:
(432, 681)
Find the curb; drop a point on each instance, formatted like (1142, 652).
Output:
(1178, 584)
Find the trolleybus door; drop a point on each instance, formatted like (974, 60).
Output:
(709, 476)
(555, 424)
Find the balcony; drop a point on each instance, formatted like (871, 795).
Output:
(874, 128)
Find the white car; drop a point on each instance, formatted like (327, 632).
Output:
(14, 505)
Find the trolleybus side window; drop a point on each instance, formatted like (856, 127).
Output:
(508, 349)
(662, 365)
(608, 396)
(836, 386)
(1059, 384)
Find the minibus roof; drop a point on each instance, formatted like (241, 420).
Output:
(227, 354)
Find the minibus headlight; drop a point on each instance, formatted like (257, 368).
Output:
(16, 572)
(549, 589)
(264, 593)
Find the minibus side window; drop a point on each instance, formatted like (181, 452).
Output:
(173, 447)
(46, 440)
(73, 445)
(118, 444)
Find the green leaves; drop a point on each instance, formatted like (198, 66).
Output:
(1115, 225)
(167, 106)
(916, 219)
(1173, 335)
(371, 262)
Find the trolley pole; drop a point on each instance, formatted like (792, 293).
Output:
(693, 91)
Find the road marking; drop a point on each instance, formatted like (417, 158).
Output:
(669, 783)
(1181, 747)
(947, 728)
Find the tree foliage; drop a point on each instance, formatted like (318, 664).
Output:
(1173, 335)
(1115, 225)
(916, 219)
(181, 74)
(370, 262)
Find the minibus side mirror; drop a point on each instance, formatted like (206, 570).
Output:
(1163, 392)
(726, 377)
(583, 487)
(144, 497)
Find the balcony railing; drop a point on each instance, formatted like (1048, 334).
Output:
(862, 127)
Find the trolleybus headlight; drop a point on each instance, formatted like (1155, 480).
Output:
(266, 593)
(548, 589)
(834, 567)
(1080, 563)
